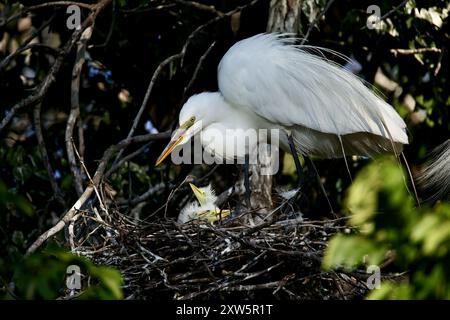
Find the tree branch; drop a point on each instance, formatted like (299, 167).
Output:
(43, 87)
(94, 184)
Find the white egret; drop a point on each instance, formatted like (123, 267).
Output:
(267, 82)
(205, 209)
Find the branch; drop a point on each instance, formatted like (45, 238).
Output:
(44, 153)
(25, 45)
(201, 6)
(43, 87)
(49, 5)
(30, 46)
(316, 20)
(75, 108)
(197, 69)
(93, 185)
(414, 51)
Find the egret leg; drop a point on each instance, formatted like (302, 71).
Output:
(298, 165)
(248, 191)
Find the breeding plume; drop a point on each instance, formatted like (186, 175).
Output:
(269, 82)
(436, 174)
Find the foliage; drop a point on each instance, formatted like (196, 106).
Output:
(390, 226)
(131, 39)
(43, 276)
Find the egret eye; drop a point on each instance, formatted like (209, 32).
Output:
(192, 120)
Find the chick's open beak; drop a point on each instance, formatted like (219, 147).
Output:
(176, 139)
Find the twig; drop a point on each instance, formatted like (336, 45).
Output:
(127, 158)
(201, 6)
(30, 46)
(75, 108)
(44, 153)
(24, 10)
(316, 20)
(147, 96)
(387, 14)
(43, 87)
(95, 182)
(197, 69)
(25, 45)
(393, 10)
(414, 51)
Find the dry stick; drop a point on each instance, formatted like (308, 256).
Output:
(19, 14)
(197, 69)
(102, 206)
(94, 184)
(44, 153)
(390, 12)
(414, 51)
(75, 108)
(316, 20)
(201, 6)
(81, 145)
(43, 87)
(30, 46)
(111, 27)
(127, 158)
(25, 45)
(147, 97)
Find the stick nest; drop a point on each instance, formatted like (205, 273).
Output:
(165, 260)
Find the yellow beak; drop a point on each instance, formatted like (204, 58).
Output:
(213, 216)
(198, 194)
(177, 138)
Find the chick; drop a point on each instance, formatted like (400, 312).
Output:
(204, 208)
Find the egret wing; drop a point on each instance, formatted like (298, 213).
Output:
(282, 82)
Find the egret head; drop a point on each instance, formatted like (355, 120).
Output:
(196, 113)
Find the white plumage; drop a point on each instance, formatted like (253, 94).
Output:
(267, 81)
(436, 174)
(204, 208)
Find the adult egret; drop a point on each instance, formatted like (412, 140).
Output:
(269, 82)
(205, 209)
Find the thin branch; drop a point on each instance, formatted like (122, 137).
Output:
(30, 46)
(201, 6)
(49, 5)
(414, 51)
(387, 14)
(197, 69)
(96, 179)
(316, 20)
(393, 10)
(127, 158)
(25, 45)
(44, 153)
(43, 87)
(75, 108)
(111, 27)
